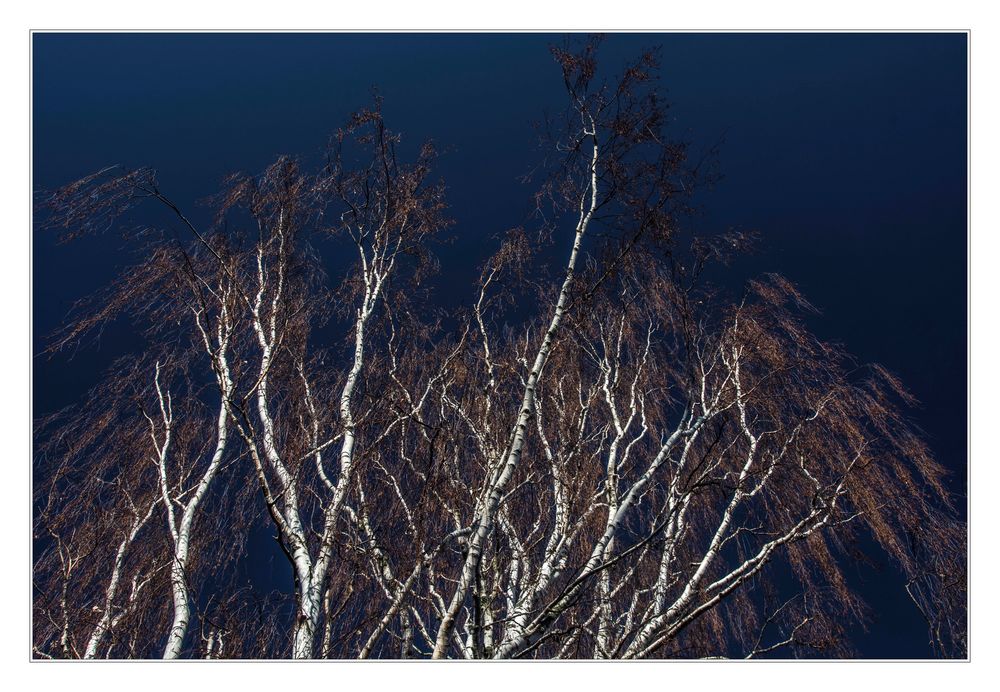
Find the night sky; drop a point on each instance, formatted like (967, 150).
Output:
(846, 153)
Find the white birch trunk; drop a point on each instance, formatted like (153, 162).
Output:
(178, 576)
(487, 514)
(104, 624)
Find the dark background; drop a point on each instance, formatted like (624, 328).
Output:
(847, 153)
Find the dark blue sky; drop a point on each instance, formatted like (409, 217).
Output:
(846, 153)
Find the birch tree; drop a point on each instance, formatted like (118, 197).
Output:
(600, 455)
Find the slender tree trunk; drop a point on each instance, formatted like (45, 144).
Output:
(178, 568)
(484, 522)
